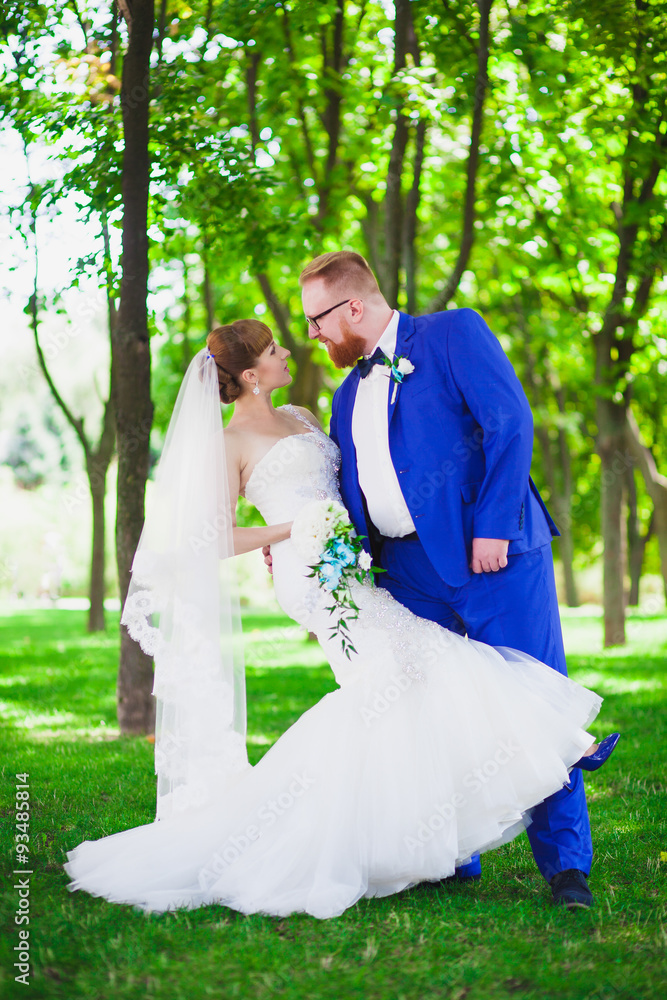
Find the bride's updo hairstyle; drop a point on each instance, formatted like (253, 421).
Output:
(235, 347)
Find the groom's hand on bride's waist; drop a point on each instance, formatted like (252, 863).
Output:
(489, 555)
(268, 559)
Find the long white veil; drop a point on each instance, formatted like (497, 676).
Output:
(182, 604)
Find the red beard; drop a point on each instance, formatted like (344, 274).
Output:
(350, 348)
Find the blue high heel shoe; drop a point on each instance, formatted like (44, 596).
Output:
(603, 752)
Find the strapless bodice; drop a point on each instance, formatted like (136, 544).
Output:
(297, 469)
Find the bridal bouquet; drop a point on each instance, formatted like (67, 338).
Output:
(324, 536)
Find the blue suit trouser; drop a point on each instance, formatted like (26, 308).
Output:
(515, 607)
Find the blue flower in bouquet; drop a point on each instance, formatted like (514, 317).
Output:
(340, 553)
(330, 574)
(331, 558)
(325, 538)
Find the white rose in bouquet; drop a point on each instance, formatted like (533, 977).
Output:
(314, 525)
(365, 561)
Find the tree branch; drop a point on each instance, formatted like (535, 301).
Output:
(114, 38)
(126, 12)
(82, 24)
(162, 27)
(278, 311)
(656, 251)
(332, 67)
(208, 20)
(253, 59)
(75, 422)
(656, 483)
(410, 220)
(393, 201)
(308, 146)
(481, 85)
(371, 229)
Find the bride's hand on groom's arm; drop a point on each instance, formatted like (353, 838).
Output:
(266, 550)
(489, 555)
(268, 558)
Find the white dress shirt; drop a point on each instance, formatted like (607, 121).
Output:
(370, 432)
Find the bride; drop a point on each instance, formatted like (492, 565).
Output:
(387, 781)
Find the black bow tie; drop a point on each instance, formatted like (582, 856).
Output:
(365, 364)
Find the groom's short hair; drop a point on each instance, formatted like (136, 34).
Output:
(342, 269)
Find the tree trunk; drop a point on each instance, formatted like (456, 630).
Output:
(333, 61)
(98, 485)
(306, 387)
(564, 510)
(410, 224)
(614, 344)
(394, 202)
(97, 466)
(566, 551)
(656, 487)
(636, 541)
(611, 438)
(560, 505)
(207, 290)
(556, 460)
(468, 228)
(661, 532)
(131, 357)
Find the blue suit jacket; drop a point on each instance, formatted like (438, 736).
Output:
(460, 438)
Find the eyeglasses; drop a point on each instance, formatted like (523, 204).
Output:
(312, 320)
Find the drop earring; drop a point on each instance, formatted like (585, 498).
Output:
(255, 391)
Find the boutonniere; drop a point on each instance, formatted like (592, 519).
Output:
(399, 368)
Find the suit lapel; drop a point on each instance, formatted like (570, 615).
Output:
(349, 387)
(404, 342)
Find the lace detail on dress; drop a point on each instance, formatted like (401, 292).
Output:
(413, 642)
(299, 415)
(331, 453)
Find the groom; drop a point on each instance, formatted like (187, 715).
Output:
(436, 454)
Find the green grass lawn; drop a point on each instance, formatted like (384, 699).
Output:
(500, 938)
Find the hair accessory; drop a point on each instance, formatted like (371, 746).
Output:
(209, 355)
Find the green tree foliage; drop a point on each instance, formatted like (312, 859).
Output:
(506, 155)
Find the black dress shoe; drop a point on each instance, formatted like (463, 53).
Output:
(570, 889)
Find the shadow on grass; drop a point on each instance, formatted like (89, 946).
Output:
(493, 940)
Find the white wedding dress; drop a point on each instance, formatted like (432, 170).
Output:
(434, 747)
